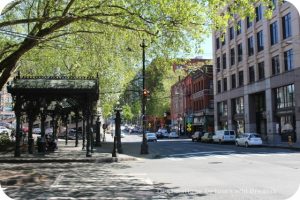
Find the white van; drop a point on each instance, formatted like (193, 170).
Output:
(224, 136)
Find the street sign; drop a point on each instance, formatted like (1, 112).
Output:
(189, 127)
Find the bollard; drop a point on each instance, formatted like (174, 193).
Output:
(114, 152)
(290, 142)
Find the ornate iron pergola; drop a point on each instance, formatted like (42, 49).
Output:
(57, 97)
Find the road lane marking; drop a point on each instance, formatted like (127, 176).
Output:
(199, 158)
(197, 153)
(240, 155)
(175, 159)
(219, 156)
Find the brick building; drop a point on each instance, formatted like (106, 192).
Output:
(192, 98)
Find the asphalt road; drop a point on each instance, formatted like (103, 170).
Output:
(175, 169)
(212, 171)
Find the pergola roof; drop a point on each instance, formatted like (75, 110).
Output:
(66, 92)
(72, 84)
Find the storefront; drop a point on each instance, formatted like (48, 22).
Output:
(285, 113)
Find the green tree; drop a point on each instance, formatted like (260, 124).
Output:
(127, 113)
(170, 25)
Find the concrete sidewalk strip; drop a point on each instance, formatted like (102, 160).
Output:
(70, 153)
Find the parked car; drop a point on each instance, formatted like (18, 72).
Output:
(36, 130)
(248, 139)
(224, 136)
(173, 135)
(159, 133)
(151, 137)
(197, 136)
(5, 130)
(207, 137)
(7, 125)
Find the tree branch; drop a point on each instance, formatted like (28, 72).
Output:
(65, 12)
(119, 25)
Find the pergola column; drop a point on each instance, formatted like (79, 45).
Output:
(31, 118)
(18, 130)
(43, 139)
(92, 133)
(76, 125)
(83, 132)
(66, 124)
(88, 130)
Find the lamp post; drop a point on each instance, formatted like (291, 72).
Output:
(98, 130)
(118, 129)
(144, 146)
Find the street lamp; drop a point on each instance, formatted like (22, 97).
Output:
(118, 129)
(144, 146)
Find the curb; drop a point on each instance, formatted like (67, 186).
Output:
(83, 160)
(282, 147)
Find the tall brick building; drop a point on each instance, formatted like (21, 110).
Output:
(192, 99)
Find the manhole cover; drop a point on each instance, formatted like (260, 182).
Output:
(214, 162)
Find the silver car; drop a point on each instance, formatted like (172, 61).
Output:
(248, 139)
(151, 137)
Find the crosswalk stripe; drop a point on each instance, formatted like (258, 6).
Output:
(240, 155)
(199, 158)
(220, 156)
(175, 159)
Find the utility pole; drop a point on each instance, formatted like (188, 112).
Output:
(144, 146)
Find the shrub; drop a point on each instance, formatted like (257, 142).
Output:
(5, 141)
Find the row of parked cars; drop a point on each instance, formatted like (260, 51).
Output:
(161, 133)
(222, 136)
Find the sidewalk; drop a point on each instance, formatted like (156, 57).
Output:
(70, 153)
(283, 145)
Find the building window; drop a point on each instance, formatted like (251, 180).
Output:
(240, 52)
(288, 60)
(219, 86)
(224, 60)
(250, 46)
(217, 43)
(241, 78)
(285, 97)
(239, 27)
(287, 26)
(260, 41)
(258, 12)
(251, 74)
(249, 22)
(275, 65)
(232, 56)
(222, 108)
(218, 64)
(233, 81)
(261, 70)
(225, 84)
(231, 33)
(274, 33)
(238, 105)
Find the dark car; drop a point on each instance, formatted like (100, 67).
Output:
(197, 136)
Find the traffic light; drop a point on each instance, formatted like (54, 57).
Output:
(146, 93)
